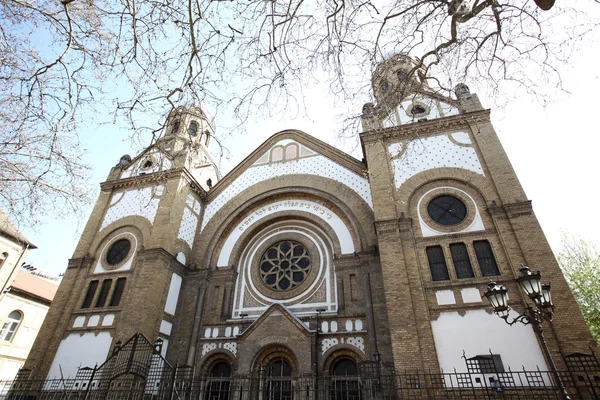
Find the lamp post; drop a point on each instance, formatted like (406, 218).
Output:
(539, 293)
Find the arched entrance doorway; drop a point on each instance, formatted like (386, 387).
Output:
(219, 386)
(277, 380)
(344, 380)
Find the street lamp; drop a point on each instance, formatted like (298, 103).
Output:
(531, 284)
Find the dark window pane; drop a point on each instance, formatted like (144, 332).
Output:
(89, 296)
(118, 292)
(345, 367)
(437, 263)
(461, 261)
(106, 284)
(485, 258)
(447, 210)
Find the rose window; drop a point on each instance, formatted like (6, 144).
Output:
(285, 265)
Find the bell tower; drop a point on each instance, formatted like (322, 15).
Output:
(188, 133)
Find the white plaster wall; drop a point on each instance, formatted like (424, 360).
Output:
(165, 327)
(173, 296)
(478, 332)
(80, 350)
(141, 202)
(470, 295)
(315, 165)
(445, 297)
(419, 155)
(189, 221)
(343, 233)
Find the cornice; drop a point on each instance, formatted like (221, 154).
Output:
(156, 177)
(426, 127)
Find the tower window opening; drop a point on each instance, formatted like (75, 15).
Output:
(386, 86)
(176, 126)
(402, 76)
(418, 110)
(193, 129)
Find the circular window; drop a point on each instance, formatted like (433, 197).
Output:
(285, 265)
(447, 210)
(118, 251)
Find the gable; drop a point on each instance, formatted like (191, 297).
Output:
(149, 161)
(291, 153)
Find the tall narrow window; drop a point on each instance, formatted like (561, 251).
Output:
(461, 260)
(89, 296)
(115, 300)
(9, 327)
(437, 263)
(106, 284)
(176, 125)
(3, 258)
(485, 258)
(193, 129)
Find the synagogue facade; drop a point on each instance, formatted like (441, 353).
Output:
(306, 258)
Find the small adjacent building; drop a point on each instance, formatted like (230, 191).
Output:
(23, 307)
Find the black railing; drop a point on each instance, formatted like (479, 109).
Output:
(179, 383)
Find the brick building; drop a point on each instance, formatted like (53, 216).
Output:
(306, 259)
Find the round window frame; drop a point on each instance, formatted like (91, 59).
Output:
(118, 255)
(103, 255)
(312, 275)
(465, 197)
(293, 283)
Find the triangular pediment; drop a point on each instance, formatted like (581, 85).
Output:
(298, 145)
(279, 319)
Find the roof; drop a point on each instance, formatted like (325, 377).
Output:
(34, 285)
(9, 230)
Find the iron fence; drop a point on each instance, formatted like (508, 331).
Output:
(136, 370)
(180, 383)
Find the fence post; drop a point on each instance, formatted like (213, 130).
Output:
(87, 390)
(173, 381)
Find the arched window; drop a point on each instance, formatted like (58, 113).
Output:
(220, 382)
(193, 129)
(3, 258)
(291, 152)
(277, 154)
(345, 380)
(278, 381)
(10, 326)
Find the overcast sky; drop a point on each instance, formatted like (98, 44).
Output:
(554, 150)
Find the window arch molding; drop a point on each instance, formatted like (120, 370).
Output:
(337, 354)
(273, 353)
